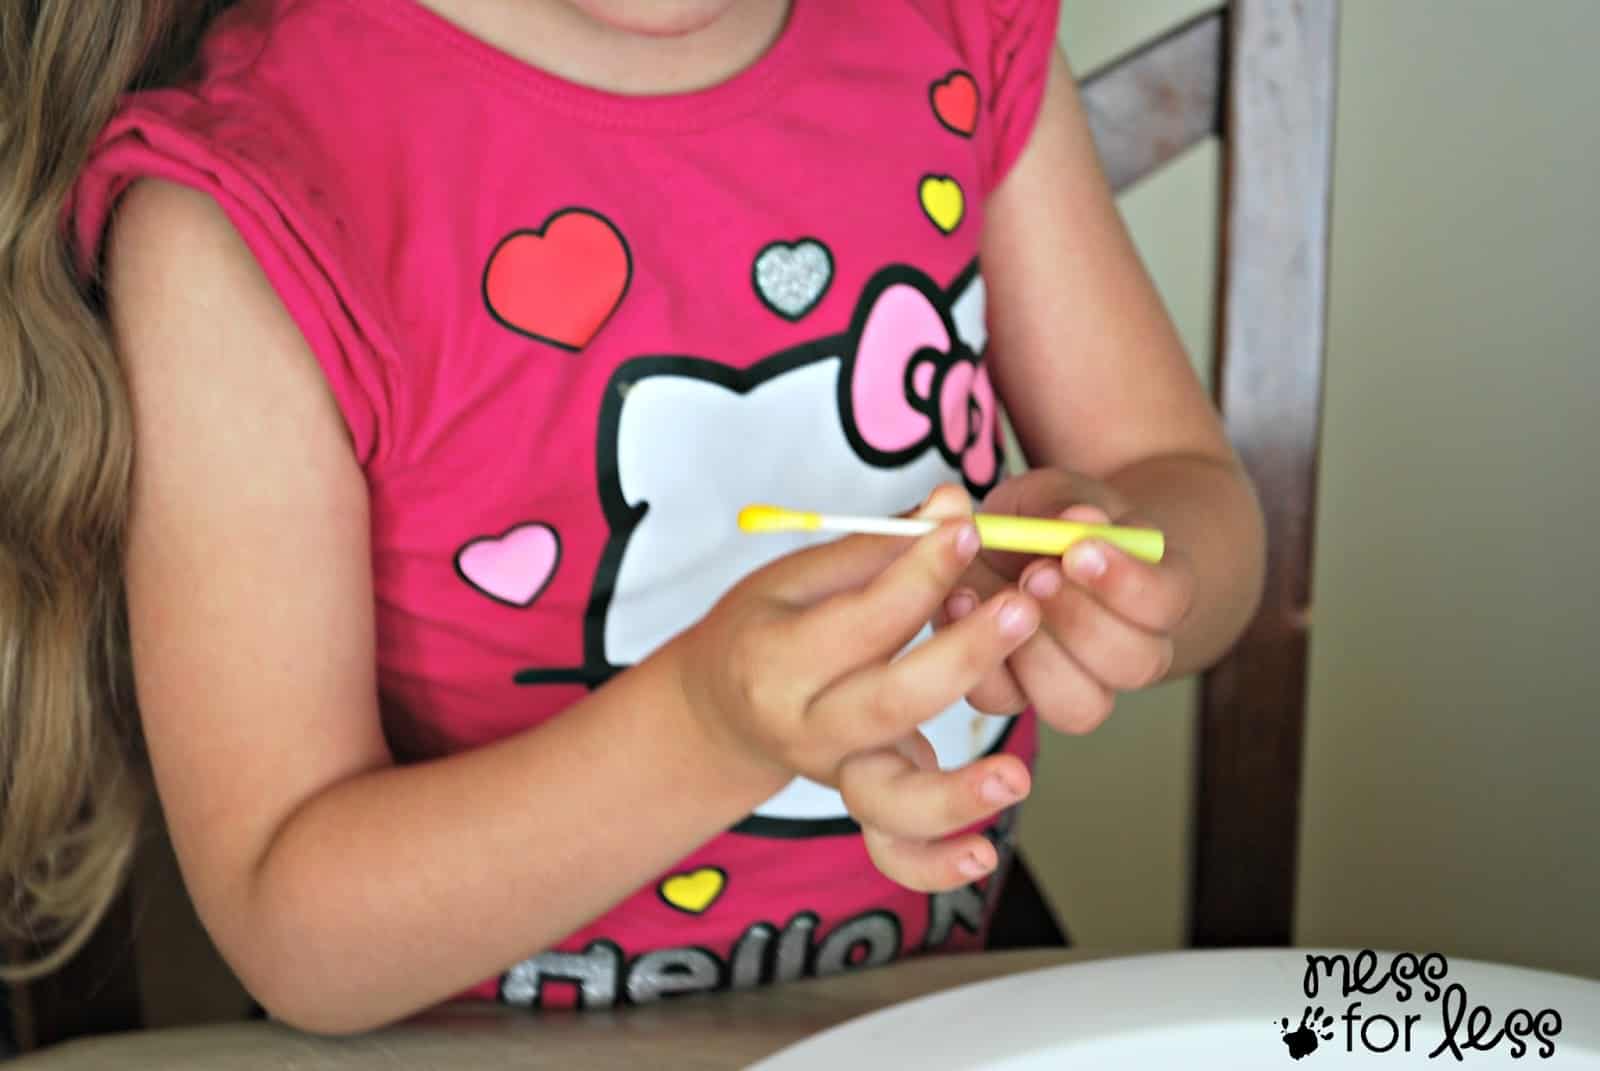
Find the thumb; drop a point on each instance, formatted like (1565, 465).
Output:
(849, 562)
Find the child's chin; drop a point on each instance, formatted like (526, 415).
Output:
(656, 18)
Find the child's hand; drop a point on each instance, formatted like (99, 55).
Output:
(800, 666)
(908, 810)
(1108, 618)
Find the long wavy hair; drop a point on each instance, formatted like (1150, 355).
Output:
(74, 783)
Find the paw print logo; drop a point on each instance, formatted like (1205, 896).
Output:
(1302, 1041)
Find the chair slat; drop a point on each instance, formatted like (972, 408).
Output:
(1152, 104)
(1278, 138)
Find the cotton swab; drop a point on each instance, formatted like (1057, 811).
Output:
(1026, 535)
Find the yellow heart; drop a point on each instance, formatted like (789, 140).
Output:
(695, 891)
(943, 201)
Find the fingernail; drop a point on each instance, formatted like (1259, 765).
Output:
(995, 790)
(967, 541)
(960, 605)
(1014, 619)
(973, 867)
(1086, 561)
(1044, 582)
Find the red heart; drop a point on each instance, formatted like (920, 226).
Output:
(955, 102)
(560, 283)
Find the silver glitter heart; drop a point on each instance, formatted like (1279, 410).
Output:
(791, 278)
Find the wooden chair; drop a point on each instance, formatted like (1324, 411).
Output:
(1259, 75)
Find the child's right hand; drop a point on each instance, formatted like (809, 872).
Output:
(799, 669)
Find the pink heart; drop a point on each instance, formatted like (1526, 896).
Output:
(513, 568)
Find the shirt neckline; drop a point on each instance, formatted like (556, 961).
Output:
(741, 93)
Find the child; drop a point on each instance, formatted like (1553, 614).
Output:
(449, 336)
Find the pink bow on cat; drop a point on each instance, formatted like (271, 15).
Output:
(913, 386)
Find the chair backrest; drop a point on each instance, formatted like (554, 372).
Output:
(1259, 75)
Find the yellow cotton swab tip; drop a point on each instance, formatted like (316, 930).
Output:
(762, 518)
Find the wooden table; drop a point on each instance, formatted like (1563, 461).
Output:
(729, 1030)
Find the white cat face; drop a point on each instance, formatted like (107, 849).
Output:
(866, 423)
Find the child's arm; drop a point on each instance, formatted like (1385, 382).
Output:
(1097, 384)
(346, 891)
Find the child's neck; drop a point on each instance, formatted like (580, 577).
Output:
(559, 37)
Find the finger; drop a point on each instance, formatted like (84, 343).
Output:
(1117, 653)
(880, 703)
(918, 749)
(1065, 696)
(998, 692)
(945, 502)
(1084, 513)
(1156, 597)
(949, 501)
(978, 583)
(1013, 565)
(870, 624)
(931, 866)
(810, 575)
(1043, 493)
(886, 790)
(982, 577)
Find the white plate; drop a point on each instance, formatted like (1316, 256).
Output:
(1223, 1009)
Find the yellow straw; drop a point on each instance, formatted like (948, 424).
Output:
(1026, 535)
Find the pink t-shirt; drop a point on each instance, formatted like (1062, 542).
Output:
(571, 333)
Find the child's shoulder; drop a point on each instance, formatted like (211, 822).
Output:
(269, 140)
(266, 113)
(988, 33)
(992, 13)
(286, 73)
(1001, 55)
(275, 119)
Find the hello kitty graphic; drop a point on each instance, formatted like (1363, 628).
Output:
(867, 421)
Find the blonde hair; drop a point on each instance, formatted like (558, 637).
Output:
(73, 781)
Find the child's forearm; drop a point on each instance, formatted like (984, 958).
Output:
(1209, 511)
(401, 887)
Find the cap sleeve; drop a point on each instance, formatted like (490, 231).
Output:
(160, 141)
(1021, 43)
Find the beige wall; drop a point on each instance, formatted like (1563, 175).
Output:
(1451, 798)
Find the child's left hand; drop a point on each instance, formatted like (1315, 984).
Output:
(1108, 618)
(1102, 631)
